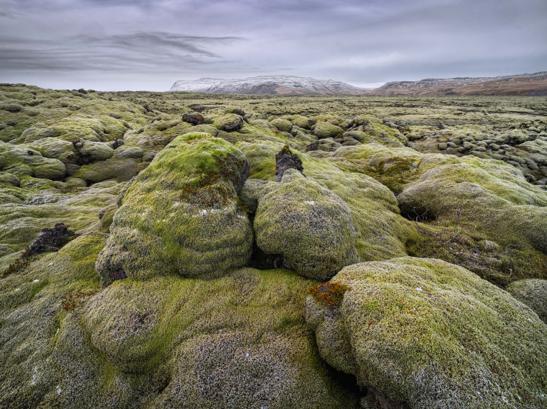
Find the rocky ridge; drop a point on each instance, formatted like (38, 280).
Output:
(267, 85)
(522, 84)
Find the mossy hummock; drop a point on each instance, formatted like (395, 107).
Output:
(423, 333)
(307, 224)
(182, 215)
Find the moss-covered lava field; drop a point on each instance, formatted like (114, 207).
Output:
(175, 250)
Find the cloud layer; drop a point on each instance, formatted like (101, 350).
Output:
(148, 44)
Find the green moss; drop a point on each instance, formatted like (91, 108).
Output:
(394, 167)
(23, 160)
(228, 122)
(182, 212)
(326, 130)
(138, 325)
(424, 332)
(533, 293)
(283, 125)
(113, 168)
(302, 121)
(308, 225)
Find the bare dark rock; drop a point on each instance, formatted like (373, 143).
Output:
(50, 240)
(284, 160)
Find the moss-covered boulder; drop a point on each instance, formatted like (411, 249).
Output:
(307, 224)
(489, 200)
(76, 127)
(236, 341)
(120, 169)
(323, 129)
(282, 124)
(55, 148)
(23, 160)
(533, 293)
(392, 166)
(91, 151)
(423, 333)
(228, 122)
(181, 215)
(302, 121)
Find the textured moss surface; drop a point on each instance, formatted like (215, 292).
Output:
(425, 333)
(533, 293)
(169, 342)
(181, 215)
(183, 210)
(308, 225)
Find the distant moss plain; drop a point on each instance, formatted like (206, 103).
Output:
(410, 181)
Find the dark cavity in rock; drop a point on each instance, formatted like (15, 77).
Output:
(284, 160)
(416, 213)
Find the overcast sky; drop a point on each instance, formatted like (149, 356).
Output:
(148, 44)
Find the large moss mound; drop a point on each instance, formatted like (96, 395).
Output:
(236, 341)
(181, 215)
(423, 333)
(308, 225)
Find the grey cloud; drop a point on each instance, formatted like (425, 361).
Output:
(142, 51)
(358, 41)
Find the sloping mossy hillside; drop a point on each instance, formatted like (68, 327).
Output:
(195, 279)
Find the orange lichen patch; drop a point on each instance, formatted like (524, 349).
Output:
(329, 293)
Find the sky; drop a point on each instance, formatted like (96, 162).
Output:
(149, 44)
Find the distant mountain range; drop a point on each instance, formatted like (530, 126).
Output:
(522, 84)
(268, 85)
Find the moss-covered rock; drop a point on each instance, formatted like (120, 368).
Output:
(236, 341)
(73, 128)
(282, 124)
(533, 293)
(302, 121)
(394, 167)
(182, 212)
(486, 199)
(126, 151)
(323, 129)
(307, 224)
(119, 169)
(55, 148)
(422, 333)
(23, 160)
(228, 122)
(91, 151)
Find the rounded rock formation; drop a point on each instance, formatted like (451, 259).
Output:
(423, 333)
(181, 215)
(310, 226)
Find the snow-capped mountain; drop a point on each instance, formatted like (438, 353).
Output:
(268, 85)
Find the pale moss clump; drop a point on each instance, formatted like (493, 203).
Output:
(121, 169)
(323, 129)
(488, 201)
(24, 160)
(392, 166)
(282, 124)
(239, 340)
(423, 333)
(307, 224)
(533, 293)
(181, 214)
(228, 122)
